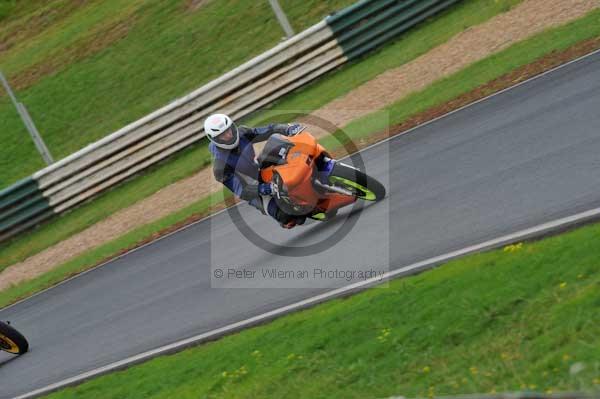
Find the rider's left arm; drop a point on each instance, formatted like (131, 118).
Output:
(258, 134)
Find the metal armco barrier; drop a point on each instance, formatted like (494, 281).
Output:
(332, 42)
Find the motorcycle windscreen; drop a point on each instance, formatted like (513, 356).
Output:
(275, 151)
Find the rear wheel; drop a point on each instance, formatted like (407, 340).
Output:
(357, 182)
(11, 340)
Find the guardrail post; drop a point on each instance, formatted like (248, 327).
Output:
(28, 122)
(282, 18)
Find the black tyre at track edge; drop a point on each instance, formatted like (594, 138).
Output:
(15, 336)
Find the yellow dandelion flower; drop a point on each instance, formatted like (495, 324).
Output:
(431, 392)
(513, 247)
(384, 334)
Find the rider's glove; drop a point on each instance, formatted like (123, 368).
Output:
(289, 224)
(294, 128)
(297, 221)
(265, 189)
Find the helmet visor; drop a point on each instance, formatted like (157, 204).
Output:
(228, 137)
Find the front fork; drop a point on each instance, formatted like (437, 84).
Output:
(325, 166)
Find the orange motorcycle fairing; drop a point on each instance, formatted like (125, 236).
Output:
(333, 201)
(297, 175)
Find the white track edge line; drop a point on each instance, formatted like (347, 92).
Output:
(359, 286)
(362, 150)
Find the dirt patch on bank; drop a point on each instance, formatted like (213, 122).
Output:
(101, 38)
(187, 191)
(25, 27)
(193, 5)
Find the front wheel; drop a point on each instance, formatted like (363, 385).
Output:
(356, 181)
(11, 340)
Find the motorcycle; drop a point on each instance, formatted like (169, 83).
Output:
(307, 181)
(11, 340)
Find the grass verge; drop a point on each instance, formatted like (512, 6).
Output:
(523, 318)
(434, 32)
(504, 62)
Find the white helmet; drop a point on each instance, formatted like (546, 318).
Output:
(216, 128)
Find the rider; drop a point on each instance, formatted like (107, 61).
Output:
(235, 166)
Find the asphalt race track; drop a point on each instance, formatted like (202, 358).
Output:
(516, 160)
